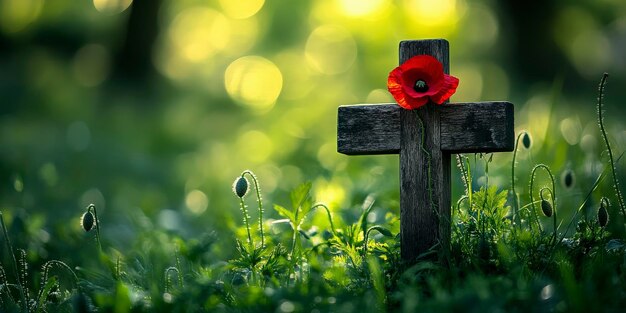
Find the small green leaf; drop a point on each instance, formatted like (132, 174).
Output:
(284, 213)
(45, 292)
(299, 195)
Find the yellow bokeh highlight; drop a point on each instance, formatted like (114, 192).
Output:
(432, 13)
(15, 15)
(197, 34)
(112, 6)
(197, 42)
(331, 193)
(196, 201)
(254, 81)
(428, 18)
(241, 9)
(330, 50)
(361, 8)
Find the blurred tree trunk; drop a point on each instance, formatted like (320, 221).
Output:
(134, 60)
(533, 50)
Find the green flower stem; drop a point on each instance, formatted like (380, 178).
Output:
(458, 203)
(470, 191)
(95, 213)
(180, 269)
(532, 200)
(515, 197)
(168, 277)
(330, 217)
(244, 211)
(259, 201)
(428, 158)
(367, 235)
(7, 240)
(618, 193)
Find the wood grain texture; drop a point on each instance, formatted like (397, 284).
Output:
(464, 128)
(421, 167)
(477, 127)
(368, 129)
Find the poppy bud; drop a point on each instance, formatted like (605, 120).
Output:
(526, 141)
(240, 186)
(603, 215)
(568, 178)
(546, 207)
(87, 221)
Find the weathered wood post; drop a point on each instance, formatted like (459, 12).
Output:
(425, 138)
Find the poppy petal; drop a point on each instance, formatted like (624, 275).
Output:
(394, 85)
(448, 88)
(415, 103)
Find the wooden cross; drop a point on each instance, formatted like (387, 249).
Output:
(449, 128)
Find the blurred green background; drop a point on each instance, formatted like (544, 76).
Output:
(151, 108)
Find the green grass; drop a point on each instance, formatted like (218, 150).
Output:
(519, 247)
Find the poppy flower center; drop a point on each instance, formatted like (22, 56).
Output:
(420, 86)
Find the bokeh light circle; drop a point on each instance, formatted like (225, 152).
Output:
(254, 81)
(199, 33)
(360, 8)
(330, 50)
(112, 6)
(241, 9)
(15, 15)
(196, 201)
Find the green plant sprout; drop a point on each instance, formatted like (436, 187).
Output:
(527, 143)
(618, 192)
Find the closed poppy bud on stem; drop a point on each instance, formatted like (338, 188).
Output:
(87, 221)
(603, 214)
(240, 186)
(546, 207)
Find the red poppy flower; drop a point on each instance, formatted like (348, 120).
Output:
(419, 79)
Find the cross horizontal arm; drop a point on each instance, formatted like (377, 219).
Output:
(465, 128)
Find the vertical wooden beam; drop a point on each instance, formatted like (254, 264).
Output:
(424, 168)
